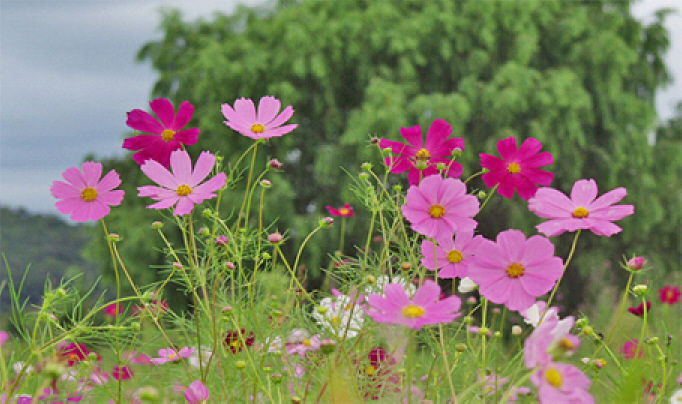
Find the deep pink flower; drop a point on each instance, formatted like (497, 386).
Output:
(517, 169)
(639, 310)
(236, 340)
(221, 240)
(138, 359)
(113, 309)
(84, 196)
(165, 135)
(452, 257)
(561, 383)
(629, 349)
(583, 211)
(73, 352)
(514, 271)
(636, 263)
(172, 355)
(423, 309)
(181, 187)
(50, 393)
(4, 336)
(437, 149)
(264, 124)
(440, 206)
(122, 373)
(380, 374)
(345, 211)
(196, 393)
(669, 294)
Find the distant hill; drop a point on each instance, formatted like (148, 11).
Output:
(48, 246)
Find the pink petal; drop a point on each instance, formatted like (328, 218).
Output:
(140, 142)
(492, 163)
(507, 148)
(242, 128)
(164, 204)
(550, 203)
(184, 207)
(62, 190)
(212, 185)
(538, 160)
(537, 249)
(164, 110)
(512, 245)
(113, 198)
(82, 212)
(159, 174)
(537, 176)
(92, 172)
(142, 121)
(202, 168)
(246, 110)
(185, 112)
(613, 213)
(68, 205)
(74, 177)
(438, 132)
(524, 186)
(234, 118)
(426, 294)
(277, 132)
(518, 298)
(603, 228)
(584, 192)
(397, 147)
(609, 198)
(528, 149)
(414, 176)
(413, 135)
(181, 165)
(281, 118)
(268, 107)
(109, 182)
(187, 136)
(553, 228)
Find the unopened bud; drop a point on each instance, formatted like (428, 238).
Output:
(321, 310)
(327, 345)
(148, 393)
(113, 237)
(461, 347)
(640, 290)
(374, 140)
(221, 240)
(371, 279)
(366, 166)
(266, 255)
(651, 340)
(363, 175)
(441, 166)
(397, 188)
(405, 266)
(481, 194)
(275, 164)
(636, 263)
(207, 212)
(265, 183)
(326, 222)
(456, 152)
(177, 265)
(204, 232)
(275, 238)
(229, 265)
(516, 330)
(135, 327)
(276, 378)
(157, 225)
(240, 365)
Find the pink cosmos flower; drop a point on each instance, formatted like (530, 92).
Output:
(172, 355)
(264, 124)
(517, 169)
(299, 342)
(196, 393)
(122, 373)
(73, 352)
(561, 383)
(345, 211)
(452, 257)
(165, 135)
(181, 187)
(669, 295)
(423, 309)
(4, 336)
(437, 149)
(639, 310)
(113, 309)
(583, 211)
(440, 206)
(514, 271)
(84, 196)
(629, 349)
(549, 341)
(137, 358)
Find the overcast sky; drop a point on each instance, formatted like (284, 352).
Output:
(68, 77)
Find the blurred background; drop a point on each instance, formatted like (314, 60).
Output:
(598, 82)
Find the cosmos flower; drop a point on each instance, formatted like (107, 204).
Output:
(84, 196)
(196, 393)
(345, 211)
(418, 156)
(165, 135)
(113, 309)
(122, 373)
(422, 309)
(182, 186)
(583, 211)
(629, 349)
(562, 383)
(450, 256)
(518, 168)
(639, 310)
(669, 295)
(549, 341)
(73, 352)
(172, 355)
(264, 124)
(514, 271)
(236, 340)
(440, 206)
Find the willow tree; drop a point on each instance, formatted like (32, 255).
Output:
(579, 76)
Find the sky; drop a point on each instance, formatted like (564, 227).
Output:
(68, 76)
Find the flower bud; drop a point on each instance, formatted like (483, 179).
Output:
(113, 237)
(240, 365)
(397, 188)
(177, 265)
(135, 327)
(265, 183)
(54, 370)
(148, 393)
(60, 292)
(221, 240)
(421, 165)
(157, 225)
(363, 175)
(635, 263)
(441, 166)
(327, 345)
(275, 164)
(326, 222)
(207, 212)
(276, 378)
(484, 331)
(481, 194)
(640, 290)
(266, 255)
(366, 166)
(374, 140)
(322, 310)
(204, 232)
(651, 340)
(456, 152)
(461, 347)
(275, 238)
(371, 279)
(405, 266)
(516, 330)
(229, 265)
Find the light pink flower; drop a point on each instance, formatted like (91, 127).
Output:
(4, 336)
(264, 124)
(583, 211)
(84, 196)
(166, 134)
(452, 257)
(561, 383)
(437, 149)
(171, 355)
(629, 349)
(423, 309)
(514, 271)
(196, 392)
(551, 340)
(181, 187)
(517, 169)
(440, 206)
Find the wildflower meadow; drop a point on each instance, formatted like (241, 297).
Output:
(432, 313)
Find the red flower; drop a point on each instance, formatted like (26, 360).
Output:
(165, 134)
(345, 211)
(73, 352)
(235, 342)
(379, 371)
(518, 168)
(113, 310)
(669, 295)
(639, 310)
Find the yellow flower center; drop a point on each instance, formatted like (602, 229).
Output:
(423, 155)
(514, 270)
(257, 128)
(343, 211)
(172, 357)
(335, 320)
(670, 295)
(307, 342)
(514, 168)
(89, 194)
(413, 311)
(167, 135)
(455, 256)
(236, 343)
(566, 344)
(183, 190)
(553, 377)
(437, 211)
(580, 213)
(370, 370)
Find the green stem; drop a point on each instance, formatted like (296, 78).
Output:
(563, 272)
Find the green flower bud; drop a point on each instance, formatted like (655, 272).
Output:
(157, 225)
(240, 364)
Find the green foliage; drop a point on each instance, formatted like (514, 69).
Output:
(579, 76)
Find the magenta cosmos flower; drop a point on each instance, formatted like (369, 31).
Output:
(518, 168)
(423, 309)
(561, 383)
(583, 211)
(264, 124)
(196, 393)
(452, 257)
(84, 196)
(418, 154)
(669, 295)
(440, 206)
(514, 271)
(172, 355)
(165, 135)
(182, 186)
(345, 211)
